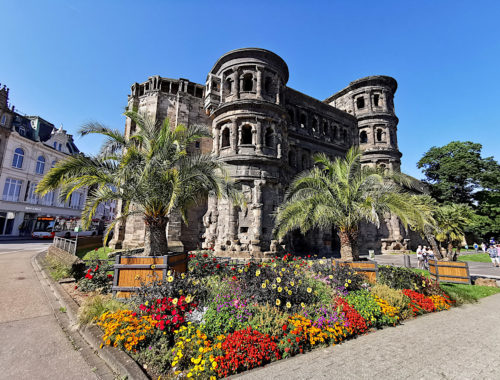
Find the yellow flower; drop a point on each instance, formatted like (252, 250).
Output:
(174, 301)
(330, 277)
(321, 262)
(189, 298)
(282, 269)
(278, 302)
(302, 304)
(289, 292)
(279, 289)
(257, 273)
(263, 285)
(170, 279)
(309, 290)
(183, 275)
(349, 281)
(273, 286)
(146, 303)
(278, 280)
(292, 283)
(346, 285)
(288, 305)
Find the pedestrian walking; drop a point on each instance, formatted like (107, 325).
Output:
(483, 247)
(425, 257)
(493, 252)
(476, 247)
(419, 256)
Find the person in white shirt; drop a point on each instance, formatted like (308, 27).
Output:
(420, 258)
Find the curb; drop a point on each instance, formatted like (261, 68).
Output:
(116, 359)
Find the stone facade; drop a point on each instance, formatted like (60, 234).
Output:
(266, 133)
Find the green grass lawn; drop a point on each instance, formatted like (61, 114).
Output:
(468, 293)
(89, 254)
(478, 257)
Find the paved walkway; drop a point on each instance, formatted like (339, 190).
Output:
(461, 343)
(476, 268)
(32, 344)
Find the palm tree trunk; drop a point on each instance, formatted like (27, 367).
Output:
(155, 242)
(348, 245)
(429, 236)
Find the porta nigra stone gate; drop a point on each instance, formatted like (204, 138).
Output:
(266, 133)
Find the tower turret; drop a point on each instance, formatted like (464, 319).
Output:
(370, 100)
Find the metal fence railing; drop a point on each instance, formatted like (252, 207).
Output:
(67, 245)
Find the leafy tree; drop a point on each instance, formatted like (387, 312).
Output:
(150, 172)
(457, 173)
(452, 221)
(342, 194)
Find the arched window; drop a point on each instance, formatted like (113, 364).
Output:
(4, 120)
(379, 135)
(248, 82)
(291, 115)
(269, 137)
(325, 128)
(22, 131)
(225, 138)
(291, 158)
(360, 102)
(268, 83)
(334, 134)
(315, 125)
(229, 86)
(40, 165)
(344, 136)
(303, 120)
(305, 161)
(363, 137)
(246, 135)
(215, 86)
(55, 145)
(53, 164)
(17, 161)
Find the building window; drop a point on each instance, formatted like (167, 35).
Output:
(268, 83)
(17, 161)
(269, 138)
(291, 115)
(59, 148)
(75, 200)
(229, 86)
(4, 120)
(303, 120)
(32, 196)
(22, 131)
(197, 145)
(48, 199)
(360, 102)
(246, 135)
(248, 82)
(376, 99)
(291, 158)
(379, 135)
(12, 189)
(55, 145)
(53, 164)
(334, 135)
(40, 165)
(225, 138)
(315, 125)
(344, 136)
(363, 137)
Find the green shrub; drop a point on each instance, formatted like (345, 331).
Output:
(394, 297)
(400, 278)
(98, 278)
(95, 305)
(202, 263)
(462, 293)
(268, 319)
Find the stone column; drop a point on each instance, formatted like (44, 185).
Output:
(258, 137)
(257, 215)
(260, 70)
(216, 147)
(234, 136)
(237, 83)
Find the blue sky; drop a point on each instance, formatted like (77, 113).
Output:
(74, 61)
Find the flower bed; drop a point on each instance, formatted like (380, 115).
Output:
(217, 320)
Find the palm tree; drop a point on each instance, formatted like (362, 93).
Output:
(150, 172)
(341, 193)
(451, 222)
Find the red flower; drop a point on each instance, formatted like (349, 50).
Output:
(110, 276)
(234, 278)
(284, 327)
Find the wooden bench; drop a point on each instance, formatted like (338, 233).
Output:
(450, 271)
(367, 268)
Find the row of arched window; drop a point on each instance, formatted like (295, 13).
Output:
(246, 137)
(324, 128)
(379, 136)
(18, 159)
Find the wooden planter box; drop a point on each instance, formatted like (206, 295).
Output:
(450, 271)
(367, 268)
(130, 272)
